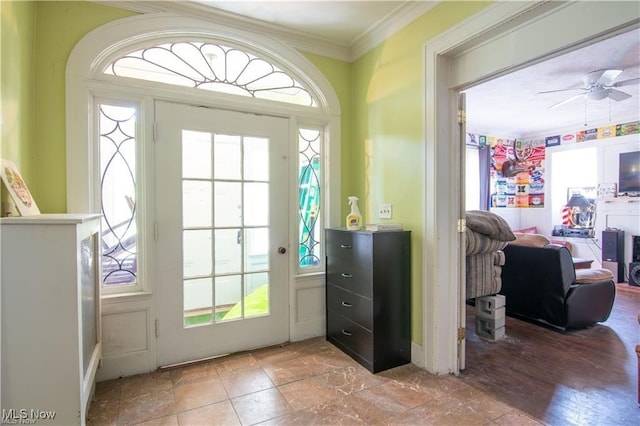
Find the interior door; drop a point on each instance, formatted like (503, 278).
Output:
(221, 232)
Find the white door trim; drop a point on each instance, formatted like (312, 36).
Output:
(496, 35)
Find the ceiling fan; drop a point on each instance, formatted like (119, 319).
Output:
(598, 85)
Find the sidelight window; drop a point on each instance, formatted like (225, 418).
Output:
(118, 194)
(309, 197)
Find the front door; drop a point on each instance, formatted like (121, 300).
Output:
(221, 232)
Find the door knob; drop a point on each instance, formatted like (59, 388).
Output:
(282, 250)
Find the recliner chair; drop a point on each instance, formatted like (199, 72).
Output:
(541, 284)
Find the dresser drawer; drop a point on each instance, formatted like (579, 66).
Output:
(354, 337)
(351, 306)
(352, 247)
(349, 276)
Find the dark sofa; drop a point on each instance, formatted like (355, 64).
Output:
(540, 284)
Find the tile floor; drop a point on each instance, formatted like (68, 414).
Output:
(305, 383)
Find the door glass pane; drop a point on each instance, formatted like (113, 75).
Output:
(256, 159)
(256, 204)
(228, 298)
(196, 203)
(197, 253)
(256, 302)
(196, 154)
(198, 301)
(228, 207)
(225, 197)
(228, 251)
(256, 249)
(227, 156)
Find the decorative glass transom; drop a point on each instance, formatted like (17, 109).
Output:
(212, 67)
(309, 197)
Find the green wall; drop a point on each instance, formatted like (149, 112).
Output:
(387, 149)
(60, 25)
(339, 74)
(18, 21)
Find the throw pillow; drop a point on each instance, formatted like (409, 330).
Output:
(530, 240)
(489, 224)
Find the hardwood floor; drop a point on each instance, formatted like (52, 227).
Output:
(579, 377)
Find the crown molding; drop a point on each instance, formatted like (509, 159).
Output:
(296, 39)
(399, 18)
(404, 14)
(138, 6)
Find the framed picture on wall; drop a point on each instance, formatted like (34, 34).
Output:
(17, 189)
(607, 190)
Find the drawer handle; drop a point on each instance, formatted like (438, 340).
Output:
(347, 304)
(346, 275)
(346, 333)
(346, 246)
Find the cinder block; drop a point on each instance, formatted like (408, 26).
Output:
(490, 303)
(494, 335)
(486, 324)
(485, 330)
(497, 315)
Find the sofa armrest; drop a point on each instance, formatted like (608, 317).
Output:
(592, 276)
(587, 304)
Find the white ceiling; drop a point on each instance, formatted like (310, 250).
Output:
(508, 106)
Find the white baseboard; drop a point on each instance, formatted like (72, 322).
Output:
(417, 355)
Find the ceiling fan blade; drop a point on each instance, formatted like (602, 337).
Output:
(608, 76)
(602, 77)
(560, 90)
(618, 95)
(571, 99)
(626, 82)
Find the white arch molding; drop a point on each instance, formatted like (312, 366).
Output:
(84, 79)
(485, 46)
(133, 347)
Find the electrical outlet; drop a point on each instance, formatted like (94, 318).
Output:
(384, 211)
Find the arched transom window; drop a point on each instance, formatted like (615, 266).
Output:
(215, 67)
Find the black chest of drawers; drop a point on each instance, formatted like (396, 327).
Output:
(369, 296)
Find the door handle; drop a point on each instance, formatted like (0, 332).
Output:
(347, 304)
(282, 250)
(346, 332)
(346, 275)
